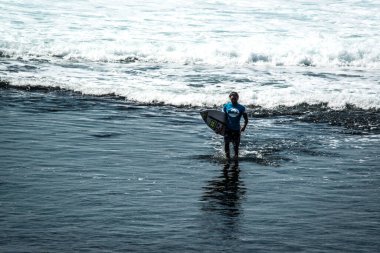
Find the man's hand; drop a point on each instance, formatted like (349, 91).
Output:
(245, 116)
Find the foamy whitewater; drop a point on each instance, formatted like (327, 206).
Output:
(193, 53)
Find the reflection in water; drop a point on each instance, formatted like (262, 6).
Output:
(221, 201)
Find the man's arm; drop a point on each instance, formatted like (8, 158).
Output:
(245, 116)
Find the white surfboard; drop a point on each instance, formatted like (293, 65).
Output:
(215, 119)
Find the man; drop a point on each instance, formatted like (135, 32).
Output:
(234, 111)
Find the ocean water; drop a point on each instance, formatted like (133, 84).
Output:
(102, 148)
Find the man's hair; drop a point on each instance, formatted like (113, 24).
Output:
(234, 94)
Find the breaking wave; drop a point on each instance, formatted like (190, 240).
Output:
(319, 52)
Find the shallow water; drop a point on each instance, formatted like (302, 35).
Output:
(82, 173)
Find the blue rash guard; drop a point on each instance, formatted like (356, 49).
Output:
(234, 113)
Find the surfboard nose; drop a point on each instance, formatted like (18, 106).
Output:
(204, 115)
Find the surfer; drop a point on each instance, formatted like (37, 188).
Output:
(233, 111)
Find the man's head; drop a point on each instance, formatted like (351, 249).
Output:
(234, 96)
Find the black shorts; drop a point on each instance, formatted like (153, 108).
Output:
(232, 136)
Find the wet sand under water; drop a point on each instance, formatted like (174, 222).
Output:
(81, 173)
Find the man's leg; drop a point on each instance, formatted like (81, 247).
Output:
(236, 144)
(236, 150)
(227, 139)
(227, 148)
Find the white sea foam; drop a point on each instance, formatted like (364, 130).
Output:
(205, 32)
(282, 52)
(180, 94)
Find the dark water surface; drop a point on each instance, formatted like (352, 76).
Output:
(89, 174)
